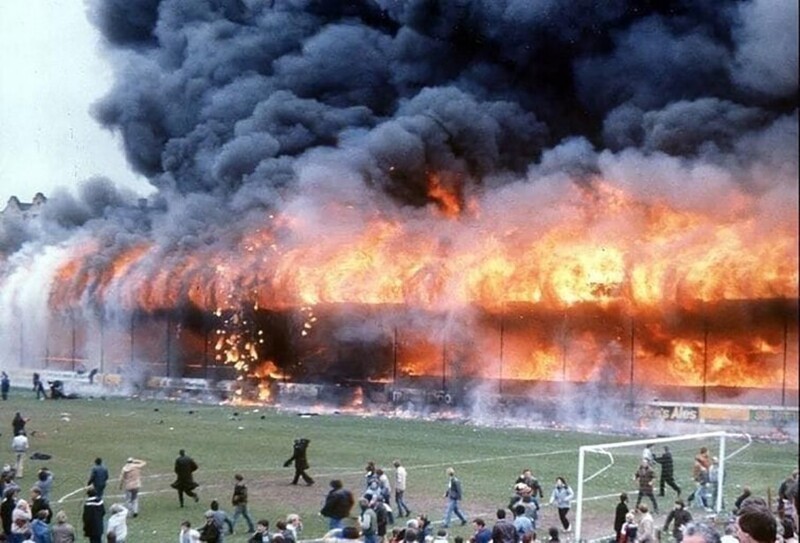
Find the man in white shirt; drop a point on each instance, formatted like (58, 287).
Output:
(20, 446)
(400, 489)
(647, 454)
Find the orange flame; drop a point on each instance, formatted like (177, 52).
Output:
(590, 245)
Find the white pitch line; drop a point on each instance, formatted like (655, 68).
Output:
(69, 495)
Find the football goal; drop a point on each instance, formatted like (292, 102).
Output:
(606, 470)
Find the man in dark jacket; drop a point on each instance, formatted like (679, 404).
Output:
(453, 495)
(679, 517)
(667, 472)
(7, 508)
(239, 502)
(300, 459)
(338, 504)
(93, 513)
(39, 503)
(98, 477)
(184, 482)
(620, 514)
(645, 476)
(503, 530)
(210, 531)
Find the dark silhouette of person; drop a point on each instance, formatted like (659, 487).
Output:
(18, 424)
(300, 459)
(667, 472)
(98, 477)
(184, 483)
(38, 387)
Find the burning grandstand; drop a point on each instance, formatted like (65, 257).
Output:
(480, 201)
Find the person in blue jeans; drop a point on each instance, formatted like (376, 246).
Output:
(239, 502)
(453, 495)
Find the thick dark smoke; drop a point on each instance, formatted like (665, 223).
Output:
(338, 112)
(226, 96)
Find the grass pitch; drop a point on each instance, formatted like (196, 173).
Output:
(255, 441)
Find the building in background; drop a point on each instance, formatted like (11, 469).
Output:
(15, 208)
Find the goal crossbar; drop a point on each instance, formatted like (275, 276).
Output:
(604, 447)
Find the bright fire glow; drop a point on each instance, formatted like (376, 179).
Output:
(594, 245)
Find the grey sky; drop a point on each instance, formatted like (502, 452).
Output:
(51, 71)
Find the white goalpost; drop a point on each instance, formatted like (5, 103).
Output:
(720, 437)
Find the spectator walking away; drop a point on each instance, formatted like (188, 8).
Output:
(184, 483)
(98, 477)
(19, 446)
(700, 532)
(679, 517)
(222, 519)
(646, 477)
(385, 491)
(5, 385)
(93, 514)
(528, 479)
(553, 535)
(667, 472)
(647, 525)
(370, 476)
(188, 534)
(755, 523)
(338, 504)
(130, 481)
(522, 523)
(368, 522)
(454, 494)
(210, 532)
(620, 514)
(700, 493)
(44, 482)
(300, 459)
(400, 479)
(38, 387)
(702, 461)
(18, 423)
(562, 496)
(62, 531)
(7, 508)
(239, 503)
(117, 529)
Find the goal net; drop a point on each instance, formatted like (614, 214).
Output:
(608, 469)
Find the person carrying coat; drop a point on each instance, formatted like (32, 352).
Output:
(184, 483)
(300, 459)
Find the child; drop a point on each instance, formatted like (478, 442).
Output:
(630, 529)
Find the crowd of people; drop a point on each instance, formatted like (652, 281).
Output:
(751, 520)
(372, 514)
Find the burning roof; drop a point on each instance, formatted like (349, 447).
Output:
(432, 157)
